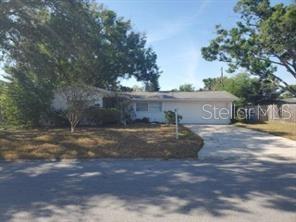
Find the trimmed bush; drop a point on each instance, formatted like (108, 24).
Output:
(54, 118)
(170, 117)
(101, 116)
(143, 120)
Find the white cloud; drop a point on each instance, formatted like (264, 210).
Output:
(168, 29)
(191, 61)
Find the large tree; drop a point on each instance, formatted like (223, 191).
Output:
(70, 40)
(263, 39)
(47, 44)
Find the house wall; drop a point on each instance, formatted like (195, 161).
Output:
(153, 116)
(59, 101)
(192, 112)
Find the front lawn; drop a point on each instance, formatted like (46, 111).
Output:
(134, 141)
(284, 129)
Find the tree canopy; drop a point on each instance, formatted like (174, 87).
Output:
(247, 89)
(65, 41)
(47, 44)
(263, 39)
(186, 88)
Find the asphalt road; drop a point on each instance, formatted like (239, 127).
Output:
(149, 190)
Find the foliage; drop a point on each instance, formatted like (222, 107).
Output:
(287, 94)
(125, 89)
(152, 86)
(24, 104)
(77, 40)
(143, 120)
(211, 83)
(122, 104)
(54, 118)
(102, 116)
(247, 89)
(186, 88)
(170, 117)
(48, 44)
(263, 39)
(78, 98)
(137, 88)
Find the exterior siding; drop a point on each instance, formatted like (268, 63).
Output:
(59, 102)
(153, 116)
(192, 112)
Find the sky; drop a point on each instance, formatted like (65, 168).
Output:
(176, 30)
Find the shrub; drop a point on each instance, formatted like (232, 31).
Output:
(24, 104)
(54, 118)
(143, 120)
(94, 116)
(121, 104)
(170, 117)
(101, 116)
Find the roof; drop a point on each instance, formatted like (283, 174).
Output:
(289, 100)
(171, 96)
(189, 96)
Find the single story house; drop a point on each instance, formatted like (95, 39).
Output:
(200, 107)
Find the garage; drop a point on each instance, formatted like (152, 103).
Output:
(202, 107)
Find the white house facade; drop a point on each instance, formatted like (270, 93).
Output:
(59, 101)
(201, 107)
(204, 107)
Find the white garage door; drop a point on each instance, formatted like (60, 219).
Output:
(202, 113)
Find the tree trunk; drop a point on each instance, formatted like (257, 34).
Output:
(72, 129)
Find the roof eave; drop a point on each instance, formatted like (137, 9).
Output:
(187, 99)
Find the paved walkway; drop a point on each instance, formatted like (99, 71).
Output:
(231, 142)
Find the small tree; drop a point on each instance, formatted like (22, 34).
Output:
(78, 98)
(186, 88)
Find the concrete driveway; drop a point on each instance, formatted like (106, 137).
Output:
(231, 142)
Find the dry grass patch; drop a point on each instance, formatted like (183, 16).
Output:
(284, 129)
(134, 141)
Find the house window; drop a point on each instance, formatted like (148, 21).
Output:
(97, 104)
(155, 107)
(142, 106)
